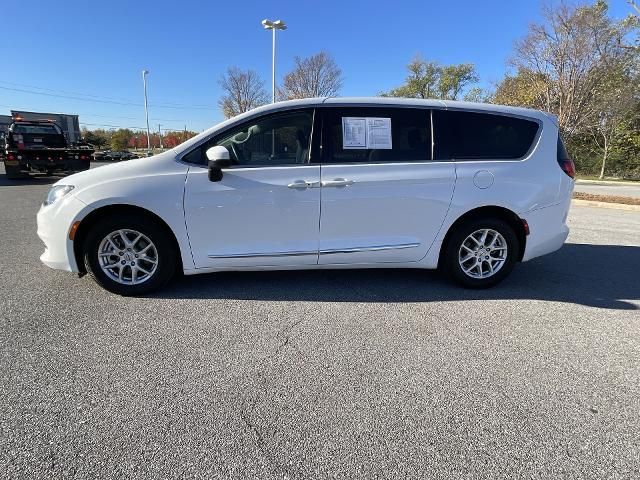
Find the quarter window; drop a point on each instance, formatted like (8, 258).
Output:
(410, 135)
(477, 136)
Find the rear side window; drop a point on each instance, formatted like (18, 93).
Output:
(481, 136)
(375, 134)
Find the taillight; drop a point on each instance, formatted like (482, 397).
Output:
(10, 157)
(568, 167)
(565, 162)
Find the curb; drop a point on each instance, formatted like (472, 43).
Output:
(607, 182)
(614, 206)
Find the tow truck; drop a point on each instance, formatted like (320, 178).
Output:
(40, 146)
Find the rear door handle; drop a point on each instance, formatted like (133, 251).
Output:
(302, 184)
(338, 182)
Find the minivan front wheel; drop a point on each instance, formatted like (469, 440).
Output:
(481, 252)
(128, 255)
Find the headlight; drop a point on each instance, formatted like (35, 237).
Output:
(57, 192)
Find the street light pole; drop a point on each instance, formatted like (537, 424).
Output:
(273, 26)
(146, 108)
(273, 66)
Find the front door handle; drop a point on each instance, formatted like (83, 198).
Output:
(338, 182)
(302, 184)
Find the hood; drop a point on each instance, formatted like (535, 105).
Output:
(118, 171)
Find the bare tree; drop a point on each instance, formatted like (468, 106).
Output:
(574, 52)
(314, 76)
(243, 90)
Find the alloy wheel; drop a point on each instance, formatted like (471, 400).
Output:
(128, 257)
(483, 253)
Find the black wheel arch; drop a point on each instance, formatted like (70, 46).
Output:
(490, 211)
(93, 217)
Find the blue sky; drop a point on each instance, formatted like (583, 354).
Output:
(98, 48)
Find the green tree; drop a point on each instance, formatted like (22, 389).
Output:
(454, 79)
(120, 138)
(97, 138)
(427, 79)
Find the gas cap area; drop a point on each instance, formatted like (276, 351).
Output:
(483, 179)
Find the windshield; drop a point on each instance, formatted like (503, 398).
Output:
(28, 129)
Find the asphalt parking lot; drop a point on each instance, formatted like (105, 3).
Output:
(347, 374)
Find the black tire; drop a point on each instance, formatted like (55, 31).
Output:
(159, 236)
(14, 173)
(450, 260)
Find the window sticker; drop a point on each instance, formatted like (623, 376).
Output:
(379, 133)
(366, 133)
(354, 133)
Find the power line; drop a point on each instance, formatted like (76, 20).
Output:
(129, 127)
(13, 107)
(114, 102)
(63, 91)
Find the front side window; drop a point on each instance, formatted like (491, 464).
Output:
(376, 134)
(277, 139)
(463, 135)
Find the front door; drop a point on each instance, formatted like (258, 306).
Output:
(265, 210)
(383, 198)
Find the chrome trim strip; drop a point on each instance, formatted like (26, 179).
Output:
(375, 248)
(265, 255)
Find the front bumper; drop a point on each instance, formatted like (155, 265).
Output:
(54, 222)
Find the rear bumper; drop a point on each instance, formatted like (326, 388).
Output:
(548, 228)
(57, 166)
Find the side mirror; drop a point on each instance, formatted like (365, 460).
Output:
(219, 158)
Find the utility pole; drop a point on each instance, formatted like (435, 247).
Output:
(160, 135)
(146, 108)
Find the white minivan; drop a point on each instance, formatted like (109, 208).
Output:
(323, 183)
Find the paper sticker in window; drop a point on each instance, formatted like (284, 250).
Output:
(366, 133)
(354, 132)
(379, 133)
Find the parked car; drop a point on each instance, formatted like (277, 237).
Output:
(101, 155)
(119, 155)
(113, 156)
(323, 183)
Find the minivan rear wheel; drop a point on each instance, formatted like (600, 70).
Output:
(129, 255)
(481, 252)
